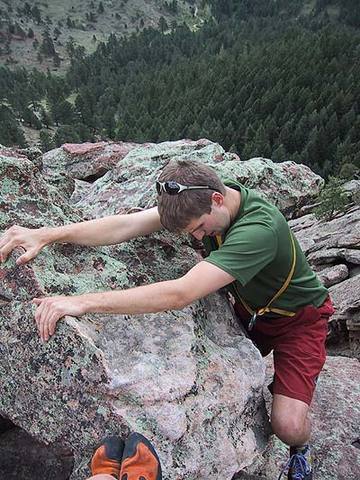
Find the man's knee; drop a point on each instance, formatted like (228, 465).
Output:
(289, 420)
(288, 427)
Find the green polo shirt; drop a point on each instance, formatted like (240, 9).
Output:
(257, 251)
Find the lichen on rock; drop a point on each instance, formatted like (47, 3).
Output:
(189, 380)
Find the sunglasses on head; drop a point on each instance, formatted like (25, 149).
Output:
(173, 188)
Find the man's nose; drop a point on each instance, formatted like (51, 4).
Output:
(199, 235)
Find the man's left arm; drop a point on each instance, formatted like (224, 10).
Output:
(202, 279)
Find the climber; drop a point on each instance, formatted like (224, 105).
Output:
(251, 251)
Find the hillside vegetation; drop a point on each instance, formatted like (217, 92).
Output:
(260, 77)
(39, 33)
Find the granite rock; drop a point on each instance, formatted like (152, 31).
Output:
(333, 250)
(132, 181)
(85, 160)
(333, 275)
(189, 380)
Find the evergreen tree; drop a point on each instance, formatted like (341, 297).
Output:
(30, 118)
(260, 144)
(70, 46)
(45, 118)
(27, 9)
(254, 78)
(47, 46)
(101, 8)
(163, 26)
(279, 155)
(62, 112)
(333, 200)
(57, 32)
(349, 171)
(36, 14)
(46, 141)
(56, 60)
(70, 23)
(66, 134)
(10, 131)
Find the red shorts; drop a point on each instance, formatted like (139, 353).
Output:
(299, 347)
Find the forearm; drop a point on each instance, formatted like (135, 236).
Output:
(153, 298)
(106, 231)
(202, 279)
(102, 231)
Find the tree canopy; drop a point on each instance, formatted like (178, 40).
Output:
(261, 78)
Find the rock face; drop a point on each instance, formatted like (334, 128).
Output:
(86, 160)
(189, 380)
(333, 249)
(131, 182)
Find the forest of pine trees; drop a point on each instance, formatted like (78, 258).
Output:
(260, 79)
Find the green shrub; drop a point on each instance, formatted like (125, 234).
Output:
(348, 171)
(333, 200)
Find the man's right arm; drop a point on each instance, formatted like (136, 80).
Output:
(102, 231)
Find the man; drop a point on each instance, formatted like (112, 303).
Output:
(252, 251)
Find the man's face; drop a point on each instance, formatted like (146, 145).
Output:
(209, 224)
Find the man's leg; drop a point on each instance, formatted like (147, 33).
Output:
(299, 355)
(290, 421)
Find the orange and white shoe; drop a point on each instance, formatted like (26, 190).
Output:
(139, 460)
(107, 457)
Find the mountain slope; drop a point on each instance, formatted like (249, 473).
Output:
(40, 34)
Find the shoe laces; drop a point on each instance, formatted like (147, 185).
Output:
(299, 465)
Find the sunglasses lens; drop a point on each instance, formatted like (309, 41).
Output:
(172, 188)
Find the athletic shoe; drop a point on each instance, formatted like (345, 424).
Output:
(139, 460)
(107, 457)
(299, 465)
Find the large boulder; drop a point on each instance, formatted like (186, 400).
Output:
(189, 380)
(132, 180)
(85, 160)
(333, 250)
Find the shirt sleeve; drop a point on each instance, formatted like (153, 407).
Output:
(245, 252)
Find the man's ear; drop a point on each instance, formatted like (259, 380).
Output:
(217, 198)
